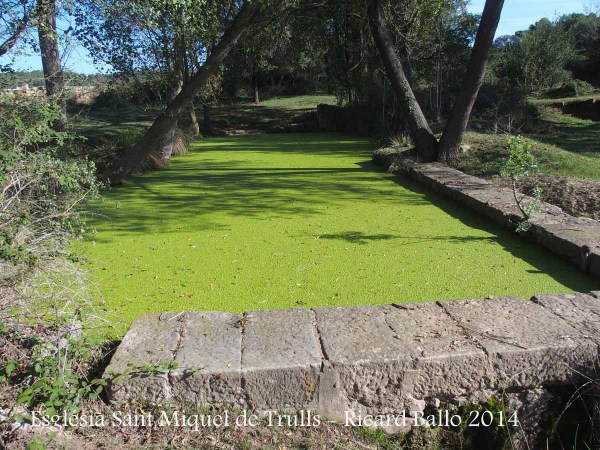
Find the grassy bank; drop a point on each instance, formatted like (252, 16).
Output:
(564, 145)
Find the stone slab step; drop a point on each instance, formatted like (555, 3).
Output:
(369, 359)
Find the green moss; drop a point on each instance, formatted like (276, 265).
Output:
(289, 220)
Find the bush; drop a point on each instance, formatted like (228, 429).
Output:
(571, 88)
(126, 92)
(505, 106)
(521, 164)
(46, 309)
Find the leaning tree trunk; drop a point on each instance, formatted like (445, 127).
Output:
(168, 141)
(53, 73)
(423, 138)
(459, 117)
(134, 159)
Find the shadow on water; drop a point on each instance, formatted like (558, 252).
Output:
(203, 195)
(358, 237)
(545, 262)
(192, 190)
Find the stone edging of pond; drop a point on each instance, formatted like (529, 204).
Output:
(365, 360)
(576, 239)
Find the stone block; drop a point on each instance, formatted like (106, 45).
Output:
(150, 342)
(281, 359)
(527, 344)
(208, 360)
(448, 363)
(368, 364)
(581, 311)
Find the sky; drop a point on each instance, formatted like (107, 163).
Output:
(516, 15)
(519, 14)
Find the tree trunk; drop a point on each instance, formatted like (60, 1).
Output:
(423, 138)
(406, 66)
(168, 141)
(134, 159)
(12, 39)
(206, 118)
(53, 73)
(194, 127)
(255, 87)
(459, 117)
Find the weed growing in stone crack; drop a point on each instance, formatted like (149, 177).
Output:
(520, 164)
(145, 370)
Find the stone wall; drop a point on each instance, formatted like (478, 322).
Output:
(576, 239)
(365, 360)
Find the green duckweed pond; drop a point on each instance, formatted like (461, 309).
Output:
(299, 220)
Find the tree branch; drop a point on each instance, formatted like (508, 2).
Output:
(12, 40)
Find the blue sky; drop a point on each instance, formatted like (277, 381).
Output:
(517, 15)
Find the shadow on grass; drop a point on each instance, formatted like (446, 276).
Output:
(572, 134)
(259, 118)
(175, 196)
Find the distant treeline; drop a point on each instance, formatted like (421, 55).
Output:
(35, 78)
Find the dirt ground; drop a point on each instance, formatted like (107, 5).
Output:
(578, 197)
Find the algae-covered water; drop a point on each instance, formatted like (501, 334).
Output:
(290, 220)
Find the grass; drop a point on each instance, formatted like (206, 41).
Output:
(110, 124)
(567, 146)
(102, 125)
(277, 113)
(306, 102)
(291, 220)
(550, 101)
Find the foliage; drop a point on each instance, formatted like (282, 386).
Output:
(549, 53)
(150, 37)
(570, 88)
(54, 378)
(585, 32)
(544, 50)
(283, 56)
(16, 23)
(125, 90)
(439, 47)
(47, 308)
(520, 164)
(42, 182)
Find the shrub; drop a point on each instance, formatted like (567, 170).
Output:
(505, 106)
(520, 164)
(123, 92)
(571, 88)
(46, 309)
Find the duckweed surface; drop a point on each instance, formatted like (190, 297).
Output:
(299, 220)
